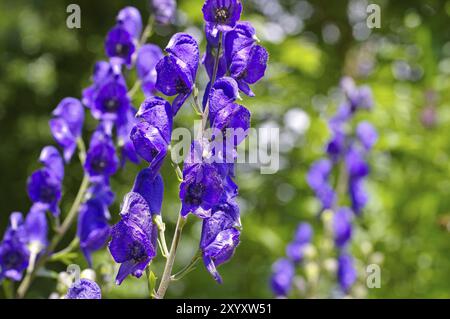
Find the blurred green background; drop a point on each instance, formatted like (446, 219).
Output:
(406, 225)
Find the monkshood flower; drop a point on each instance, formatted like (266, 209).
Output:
(163, 10)
(66, 125)
(358, 194)
(241, 37)
(14, 253)
(220, 237)
(248, 66)
(223, 14)
(101, 159)
(147, 58)
(111, 100)
(93, 227)
(177, 71)
(134, 237)
(358, 97)
(317, 179)
(283, 272)
(36, 229)
(346, 272)
(84, 289)
(120, 46)
(342, 226)
(336, 146)
(355, 163)
(296, 249)
(45, 185)
(129, 18)
(152, 135)
(367, 135)
(201, 189)
(224, 91)
(103, 72)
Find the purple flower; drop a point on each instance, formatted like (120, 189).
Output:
(201, 189)
(14, 253)
(220, 237)
(358, 194)
(366, 134)
(296, 248)
(223, 14)
(248, 66)
(67, 124)
(147, 58)
(101, 159)
(151, 187)
(111, 100)
(336, 146)
(163, 10)
(133, 242)
(283, 273)
(84, 289)
(119, 45)
(342, 226)
(359, 97)
(130, 19)
(355, 163)
(104, 72)
(234, 120)
(176, 72)
(241, 37)
(149, 144)
(157, 113)
(36, 228)
(134, 237)
(346, 272)
(45, 185)
(52, 160)
(317, 179)
(225, 91)
(151, 136)
(93, 228)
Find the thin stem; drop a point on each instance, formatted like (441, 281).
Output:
(166, 277)
(162, 228)
(73, 244)
(147, 31)
(188, 268)
(29, 277)
(213, 80)
(134, 89)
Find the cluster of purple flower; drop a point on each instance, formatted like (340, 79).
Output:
(283, 270)
(233, 61)
(207, 189)
(346, 153)
(350, 148)
(25, 241)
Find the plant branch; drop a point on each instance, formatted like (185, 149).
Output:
(166, 277)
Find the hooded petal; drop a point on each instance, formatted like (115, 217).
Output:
(151, 188)
(130, 19)
(185, 48)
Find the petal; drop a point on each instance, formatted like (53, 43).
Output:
(151, 188)
(184, 47)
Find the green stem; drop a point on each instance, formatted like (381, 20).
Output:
(73, 244)
(166, 277)
(147, 31)
(188, 268)
(162, 237)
